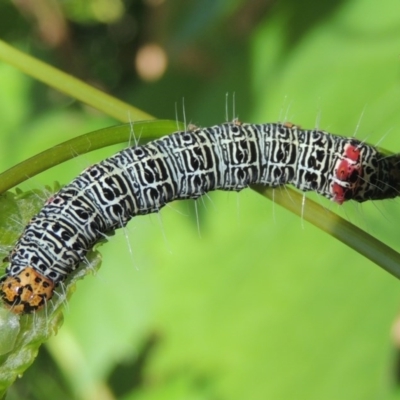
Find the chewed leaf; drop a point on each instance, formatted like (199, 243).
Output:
(21, 336)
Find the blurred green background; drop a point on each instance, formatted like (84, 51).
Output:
(248, 302)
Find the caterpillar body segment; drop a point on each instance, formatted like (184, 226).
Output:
(142, 179)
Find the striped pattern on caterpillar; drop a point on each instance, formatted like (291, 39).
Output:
(142, 179)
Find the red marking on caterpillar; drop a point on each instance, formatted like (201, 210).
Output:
(352, 152)
(348, 170)
(143, 179)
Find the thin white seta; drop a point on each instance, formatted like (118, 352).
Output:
(359, 121)
(284, 116)
(383, 214)
(132, 136)
(125, 231)
(21, 224)
(303, 205)
(80, 159)
(187, 127)
(36, 323)
(196, 210)
(6, 248)
(46, 314)
(41, 323)
(227, 117)
(104, 235)
(284, 188)
(171, 207)
(46, 194)
(207, 196)
(88, 265)
(63, 296)
(184, 115)
(383, 137)
(380, 181)
(37, 188)
(176, 116)
(59, 298)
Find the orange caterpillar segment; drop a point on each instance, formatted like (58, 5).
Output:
(26, 292)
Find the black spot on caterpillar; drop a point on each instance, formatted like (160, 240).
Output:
(142, 179)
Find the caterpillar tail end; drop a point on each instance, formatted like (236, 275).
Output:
(26, 292)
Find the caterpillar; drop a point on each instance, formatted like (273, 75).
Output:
(185, 165)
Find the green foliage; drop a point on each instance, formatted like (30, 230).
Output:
(21, 337)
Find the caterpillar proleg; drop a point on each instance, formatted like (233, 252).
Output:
(185, 165)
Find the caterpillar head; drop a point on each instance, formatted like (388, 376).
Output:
(26, 292)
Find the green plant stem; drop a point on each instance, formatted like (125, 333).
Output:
(334, 225)
(146, 130)
(71, 86)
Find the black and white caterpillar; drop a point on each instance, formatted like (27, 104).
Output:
(142, 179)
